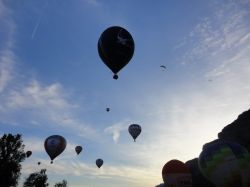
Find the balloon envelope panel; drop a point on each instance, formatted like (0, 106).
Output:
(225, 164)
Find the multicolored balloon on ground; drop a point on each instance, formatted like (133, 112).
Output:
(99, 162)
(225, 164)
(28, 154)
(134, 130)
(116, 48)
(176, 174)
(54, 146)
(78, 149)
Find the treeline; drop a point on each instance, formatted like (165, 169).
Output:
(11, 155)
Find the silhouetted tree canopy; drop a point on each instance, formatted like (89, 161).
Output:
(11, 155)
(37, 179)
(61, 184)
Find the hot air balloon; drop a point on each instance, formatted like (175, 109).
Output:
(99, 162)
(78, 149)
(176, 174)
(54, 146)
(28, 154)
(225, 163)
(116, 48)
(107, 109)
(134, 130)
(38, 163)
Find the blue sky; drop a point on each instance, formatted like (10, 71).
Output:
(52, 81)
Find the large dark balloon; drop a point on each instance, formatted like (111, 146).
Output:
(176, 174)
(28, 154)
(116, 48)
(134, 130)
(227, 159)
(54, 146)
(99, 162)
(78, 149)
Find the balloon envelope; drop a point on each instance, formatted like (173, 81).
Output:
(54, 145)
(28, 154)
(38, 163)
(176, 174)
(134, 130)
(99, 162)
(225, 164)
(78, 149)
(116, 48)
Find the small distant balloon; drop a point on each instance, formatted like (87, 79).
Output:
(134, 130)
(54, 146)
(38, 163)
(78, 149)
(116, 48)
(99, 162)
(227, 159)
(107, 109)
(176, 174)
(28, 154)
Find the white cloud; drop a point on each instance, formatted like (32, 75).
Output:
(6, 63)
(94, 3)
(116, 129)
(27, 99)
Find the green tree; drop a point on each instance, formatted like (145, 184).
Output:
(37, 179)
(61, 184)
(11, 155)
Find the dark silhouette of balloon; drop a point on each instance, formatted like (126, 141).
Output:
(116, 48)
(134, 130)
(176, 174)
(28, 154)
(227, 159)
(107, 109)
(99, 162)
(78, 149)
(54, 146)
(38, 163)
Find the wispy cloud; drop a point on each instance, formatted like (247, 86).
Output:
(116, 129)
(35, 28)
(225, 30)
(6, 65)
(94, 3)
(38, 103)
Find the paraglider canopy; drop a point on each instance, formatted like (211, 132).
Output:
(116, 48)
(54, 146)
(176, 173)
(99, 162)
(164, 67)
(134, 130)
(78, 149)
(28, 154)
